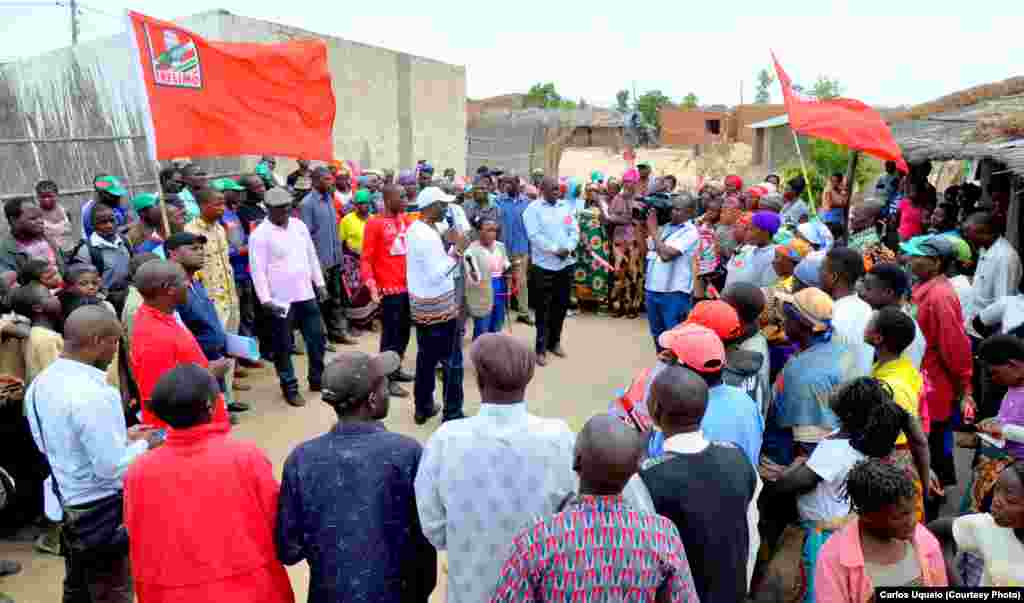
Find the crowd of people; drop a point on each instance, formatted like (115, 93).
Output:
(792, 438)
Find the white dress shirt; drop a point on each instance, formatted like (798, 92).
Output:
(551, 227)
(284, 263)
(86, 440)
(429, 271)
(998, 275)
(484, 478)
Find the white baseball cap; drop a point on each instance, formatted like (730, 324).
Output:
(429, 196)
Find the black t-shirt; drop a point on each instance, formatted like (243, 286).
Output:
(707, 495)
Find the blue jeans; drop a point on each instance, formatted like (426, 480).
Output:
(305, 315)
(665, 311)
(493, 322)
(439, 344)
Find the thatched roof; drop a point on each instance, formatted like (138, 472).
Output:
(991, 127)
(958, 100)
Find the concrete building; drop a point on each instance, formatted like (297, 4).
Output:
(73, 113)
(773, 144)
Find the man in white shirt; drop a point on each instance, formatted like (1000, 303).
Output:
(669, 280)
(482, 479)
(88, 447)
(434, 304)
(997, 275)
(888, 285)
(288, 282)
(839, 274)
(999, 271)
(554, 234)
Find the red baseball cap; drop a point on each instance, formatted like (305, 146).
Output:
(697, 347)
(718, 316)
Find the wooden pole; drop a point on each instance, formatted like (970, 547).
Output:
(160, 195)
(851, 171)
(807, 179)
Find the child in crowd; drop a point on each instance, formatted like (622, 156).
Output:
(996, 537)
(486, 264)
(40, 271)
(885, 546)
(82, 288)
(43, 309)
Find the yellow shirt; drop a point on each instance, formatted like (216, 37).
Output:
(351, 230)
(906, 383)
(216, 275)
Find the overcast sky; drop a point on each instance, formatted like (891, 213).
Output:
(885, 52)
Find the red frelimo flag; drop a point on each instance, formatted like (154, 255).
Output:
(842, 120)
(225, 99)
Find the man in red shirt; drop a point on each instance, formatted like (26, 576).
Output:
(159, 341)
(382, 267)
(179, 549)
(948, 362)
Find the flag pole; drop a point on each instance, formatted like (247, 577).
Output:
(807, 179)
(161, 196)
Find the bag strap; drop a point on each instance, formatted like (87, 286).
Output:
(42, 440)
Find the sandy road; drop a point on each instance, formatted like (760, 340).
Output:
(603, 354)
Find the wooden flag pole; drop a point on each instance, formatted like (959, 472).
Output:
(163, 204)
(807, 179)
(851, 171)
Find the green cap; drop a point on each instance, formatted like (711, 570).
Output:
(144, 201)
(225, 184)
(363, 197)
(110, 184)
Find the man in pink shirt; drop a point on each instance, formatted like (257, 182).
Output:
(288, 281)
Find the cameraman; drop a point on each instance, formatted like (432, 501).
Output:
(670, 255)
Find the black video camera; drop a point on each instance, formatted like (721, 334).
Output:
(661, 203)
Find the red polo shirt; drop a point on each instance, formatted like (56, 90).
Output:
(160, 343)
(948, 361)
(382, 263)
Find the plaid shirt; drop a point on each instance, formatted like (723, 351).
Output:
(598, 549)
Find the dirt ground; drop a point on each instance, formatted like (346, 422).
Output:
(603, 354)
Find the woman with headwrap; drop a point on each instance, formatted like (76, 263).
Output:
(361, 311)
(593, 267)
(630, 252)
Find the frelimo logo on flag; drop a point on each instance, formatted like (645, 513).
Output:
(174, 57)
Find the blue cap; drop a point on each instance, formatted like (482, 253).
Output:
(808, 271)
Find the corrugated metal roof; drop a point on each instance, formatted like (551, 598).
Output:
(953, 134)
(773, 122)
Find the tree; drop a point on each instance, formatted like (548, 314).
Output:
(825, 88)
(765, 79)
(648, 104)
(622, 101)
(546, 97)
(690, 101)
